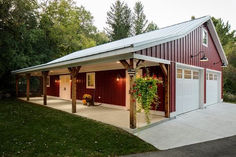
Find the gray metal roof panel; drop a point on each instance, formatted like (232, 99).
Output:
(157, 35)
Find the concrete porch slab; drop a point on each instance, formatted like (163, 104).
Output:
(112, 116)
(215, 122)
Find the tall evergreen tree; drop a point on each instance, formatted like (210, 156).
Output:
(119, 20)
(139, 19)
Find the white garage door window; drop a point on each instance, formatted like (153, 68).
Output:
(212, 88)
(187, 90)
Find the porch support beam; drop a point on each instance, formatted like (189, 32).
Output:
(74, 71)
(17, 85)
(45, 75)
(27, 87)
(131, 71)
(166, 71)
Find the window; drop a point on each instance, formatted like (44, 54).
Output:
(179, 73)
(48, 81)
(207, 76)
(204, 37)
(90, 80)
(210, 76)
(195, 75)
(215, 77)
(187, 74)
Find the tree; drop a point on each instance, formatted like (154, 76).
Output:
(32, 34)
(151, 27)
(19, 38)
(228, 41)
(139, 19)
(119, 21)
(67, 26)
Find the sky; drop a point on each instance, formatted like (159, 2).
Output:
(167, 12)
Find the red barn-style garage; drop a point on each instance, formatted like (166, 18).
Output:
(187, 57)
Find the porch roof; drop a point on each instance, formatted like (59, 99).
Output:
(125, 48)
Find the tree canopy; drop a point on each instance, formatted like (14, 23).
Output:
(32, 33)
(228, 41)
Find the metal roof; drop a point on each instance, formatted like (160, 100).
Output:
(137, 42)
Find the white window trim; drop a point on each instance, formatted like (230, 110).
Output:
(204, 30)
(48, 81)
(90, 87)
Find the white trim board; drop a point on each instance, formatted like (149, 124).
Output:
(188, 66)
(214, 71)
(151, 59)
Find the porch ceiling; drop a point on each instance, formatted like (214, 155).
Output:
(114, 65)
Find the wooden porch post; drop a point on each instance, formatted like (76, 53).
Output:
(131, 71)
(27, 86)
(166, 72)
(17, 85)
(45, 75)
(74, 73)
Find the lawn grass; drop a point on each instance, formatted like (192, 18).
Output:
(33, 130)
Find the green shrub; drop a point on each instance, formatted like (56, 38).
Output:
(228, 97)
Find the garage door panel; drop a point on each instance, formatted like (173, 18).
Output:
(187, 90)
(212, 88)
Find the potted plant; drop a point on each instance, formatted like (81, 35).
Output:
(88, 100)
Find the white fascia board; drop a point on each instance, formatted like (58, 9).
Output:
(214, 71)
(217, 41)
(151, 59)
(188, 66)
(118, 54)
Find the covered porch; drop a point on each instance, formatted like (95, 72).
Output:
(131, 64)
(113, 116)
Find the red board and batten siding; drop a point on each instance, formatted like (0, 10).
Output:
(53, 90)
(180, 50)
(107, 88)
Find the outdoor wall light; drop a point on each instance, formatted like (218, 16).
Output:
(118, 77)
(223, 64)
(202, 59)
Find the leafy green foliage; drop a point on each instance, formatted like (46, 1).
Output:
(33, 33)
(34, 130)
(145, 91)
(228, 41)
(119, 20)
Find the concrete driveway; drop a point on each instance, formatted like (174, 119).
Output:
(215, 122)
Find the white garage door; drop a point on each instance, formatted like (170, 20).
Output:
(212, 88)
(187, 90)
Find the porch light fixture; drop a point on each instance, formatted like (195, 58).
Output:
(118, 78)
(223, 64)
(202, 59)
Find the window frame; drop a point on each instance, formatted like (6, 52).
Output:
(179, 73)
(185, 74)
(203, 33)
(87, 82)
(196, 77)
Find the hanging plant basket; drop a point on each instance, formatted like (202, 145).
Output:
(145, 92)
